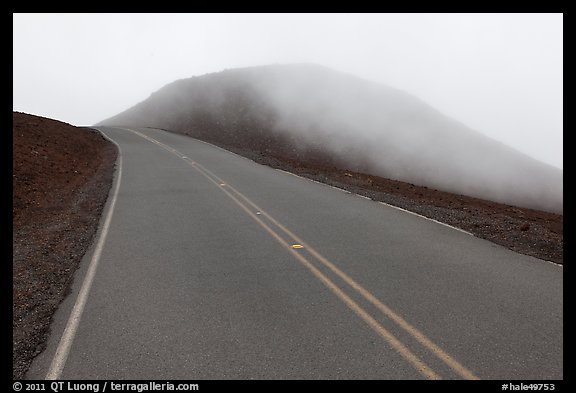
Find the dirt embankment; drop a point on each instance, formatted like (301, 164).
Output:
(532, 232)
(61, 178)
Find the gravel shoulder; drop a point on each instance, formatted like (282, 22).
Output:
(527, 231)
(62, 176)
(61, 179)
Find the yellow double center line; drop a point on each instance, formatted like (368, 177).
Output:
(250, 208)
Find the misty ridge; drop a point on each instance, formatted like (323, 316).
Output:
(315, 114)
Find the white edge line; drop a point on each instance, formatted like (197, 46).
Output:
(450, 226)
(318, 182)
(553, 263)
(347, 192)
(427, 218)
(67, 338)
(383, 203)
(200, 140)
(396, 207)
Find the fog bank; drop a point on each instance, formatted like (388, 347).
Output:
(310, 110)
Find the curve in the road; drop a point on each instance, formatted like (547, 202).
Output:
(251, 208)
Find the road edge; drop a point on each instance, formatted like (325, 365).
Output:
(60, 356)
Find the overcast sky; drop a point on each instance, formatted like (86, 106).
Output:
(501, 74)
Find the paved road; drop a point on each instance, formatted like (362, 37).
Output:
(216, 267)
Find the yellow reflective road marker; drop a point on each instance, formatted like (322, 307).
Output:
(418, 364)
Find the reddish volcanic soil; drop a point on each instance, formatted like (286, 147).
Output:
(61, 178)
(527, 231)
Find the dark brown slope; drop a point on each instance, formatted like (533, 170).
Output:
(527, 231)
(532, 232)
(61, 178)
(315, 114)
(228, 110)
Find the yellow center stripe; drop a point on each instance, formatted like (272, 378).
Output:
(249, 207)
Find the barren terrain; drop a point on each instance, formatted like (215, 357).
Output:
(527, 231)
(61, 178)
(62, 175)
(316, 115)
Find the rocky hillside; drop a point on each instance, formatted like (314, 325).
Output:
(317, 115)
(60, 182)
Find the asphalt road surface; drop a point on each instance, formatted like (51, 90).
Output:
(210, 266)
